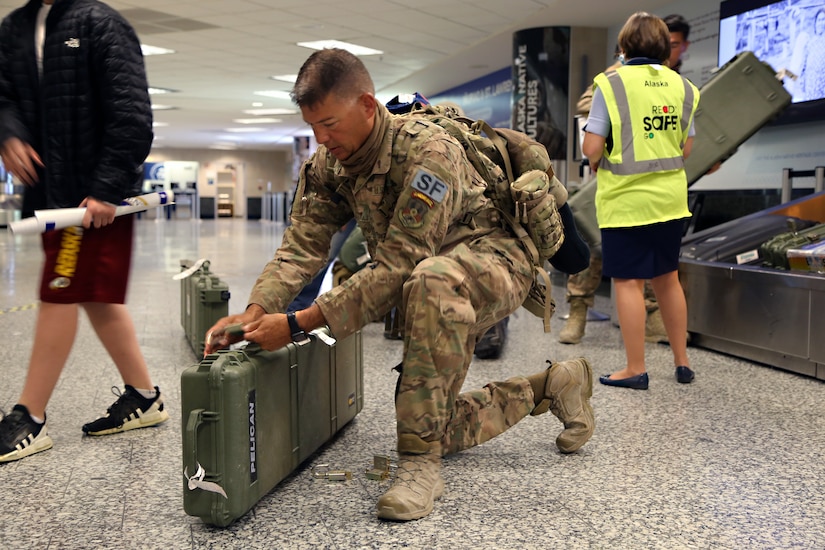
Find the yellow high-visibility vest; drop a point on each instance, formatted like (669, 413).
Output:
(641, 178)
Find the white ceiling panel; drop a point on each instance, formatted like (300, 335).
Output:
(227, 49)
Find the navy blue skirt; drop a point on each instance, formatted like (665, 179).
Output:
(642, 252)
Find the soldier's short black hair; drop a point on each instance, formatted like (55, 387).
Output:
(677, 23)
(331, 70)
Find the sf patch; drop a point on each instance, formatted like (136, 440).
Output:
(429, 185)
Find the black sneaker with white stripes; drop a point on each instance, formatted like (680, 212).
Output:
(129, 412)
(20, 436)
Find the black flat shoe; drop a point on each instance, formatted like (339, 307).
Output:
(684, 375)
(634, 382)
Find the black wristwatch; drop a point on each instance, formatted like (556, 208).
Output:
(299, 337)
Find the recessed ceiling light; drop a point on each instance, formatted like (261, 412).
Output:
(154, 91)
(244, 130)
(224, 146)
(279, 94)
(159, 124)
(354, 49)
(157, 107)
(285, 77)
(270, 112)
(259, 120)
(154, 50)
(257, 104)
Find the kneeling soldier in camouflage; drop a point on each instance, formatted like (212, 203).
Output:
(439, 253)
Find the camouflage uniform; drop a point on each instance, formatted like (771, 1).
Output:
(438, 252)
(585, 283)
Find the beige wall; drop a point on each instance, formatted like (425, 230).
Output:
(260, 171)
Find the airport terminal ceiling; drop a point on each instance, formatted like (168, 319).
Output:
(227, 50)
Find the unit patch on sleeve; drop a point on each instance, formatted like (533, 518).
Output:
(411, 215)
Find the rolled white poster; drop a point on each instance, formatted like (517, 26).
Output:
(59, 218)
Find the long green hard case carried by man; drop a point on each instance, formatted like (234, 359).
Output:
(740, 98)
(251, 417)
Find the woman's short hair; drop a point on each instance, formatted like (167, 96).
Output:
(645, 35)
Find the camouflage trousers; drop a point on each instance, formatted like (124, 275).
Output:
(448, 302)
(585, 283)
(651, 304)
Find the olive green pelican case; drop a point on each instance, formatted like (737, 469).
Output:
(251, 417)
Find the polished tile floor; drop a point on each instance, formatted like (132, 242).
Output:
(734, 460)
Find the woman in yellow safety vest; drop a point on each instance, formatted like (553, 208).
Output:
(637, 136)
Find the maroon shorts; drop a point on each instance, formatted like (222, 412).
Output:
(87, 265)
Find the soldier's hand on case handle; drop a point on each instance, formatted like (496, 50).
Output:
(270, 331)
(218, 337)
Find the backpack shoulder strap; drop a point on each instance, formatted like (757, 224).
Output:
(498, 142)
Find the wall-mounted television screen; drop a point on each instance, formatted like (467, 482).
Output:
(789, 35)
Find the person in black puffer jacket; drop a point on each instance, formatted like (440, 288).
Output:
(75, 127)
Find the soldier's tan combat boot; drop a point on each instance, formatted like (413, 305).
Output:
(573, 330)
(565, 389)
(418, 482)
(655, 328)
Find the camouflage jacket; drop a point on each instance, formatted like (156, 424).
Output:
(586, 99)
(439, 203)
